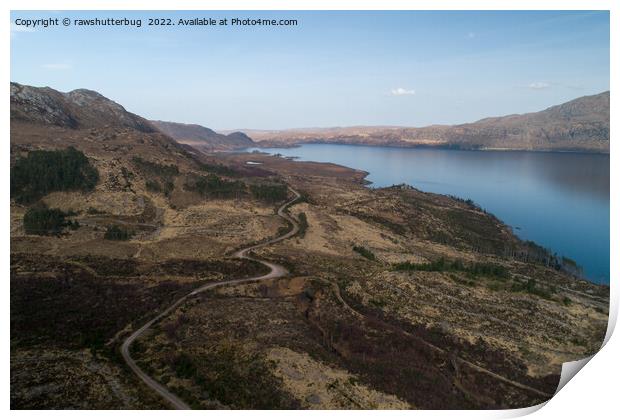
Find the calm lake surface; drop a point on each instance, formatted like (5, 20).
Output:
(558, 200)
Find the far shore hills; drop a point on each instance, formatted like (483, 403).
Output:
(580, 125)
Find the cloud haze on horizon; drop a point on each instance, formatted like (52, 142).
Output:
(333, 69)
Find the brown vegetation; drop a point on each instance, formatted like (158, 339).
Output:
(396, 298)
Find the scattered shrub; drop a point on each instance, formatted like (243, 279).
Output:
(471, 203)
(474, 269)
(156, 187)
(366, 253)
(494, 286)
(271, 193)
(219, 169)
(230, 375)
(41, 220)
(377, 302)
(117, 233)
(153, 168)
(215, 187)
(161, 177)
(303, 224)
(92, 210)
(457, 279)
(153, 186)
(532, 288)
(304, 197)
(283, 230)
(183, 366)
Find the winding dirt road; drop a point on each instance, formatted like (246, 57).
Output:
(276, 271)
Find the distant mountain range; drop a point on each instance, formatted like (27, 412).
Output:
(203, 138)
(579, 125)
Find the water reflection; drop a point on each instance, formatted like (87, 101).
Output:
(560, 200)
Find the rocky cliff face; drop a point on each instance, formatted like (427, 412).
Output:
(203, 138)
(579, 125)
(77, 109)
(87, 109)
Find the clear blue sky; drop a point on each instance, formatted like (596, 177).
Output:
(333, 69)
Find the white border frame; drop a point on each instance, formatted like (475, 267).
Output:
(593, 394)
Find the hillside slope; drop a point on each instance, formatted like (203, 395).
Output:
(395, 298)
(203, 138)
(78, 109)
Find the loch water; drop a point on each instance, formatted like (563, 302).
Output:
(558, 200)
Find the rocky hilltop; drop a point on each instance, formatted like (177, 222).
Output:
(78, 109)
(87, 109)
(579, 125)
(203, 138)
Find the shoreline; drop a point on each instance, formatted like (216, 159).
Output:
(426, 146)
(367, 184)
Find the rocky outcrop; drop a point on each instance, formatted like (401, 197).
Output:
(77, 109)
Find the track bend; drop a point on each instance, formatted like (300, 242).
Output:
(276, 271)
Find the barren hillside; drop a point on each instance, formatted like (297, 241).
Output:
(579, 125)
(393, 298)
